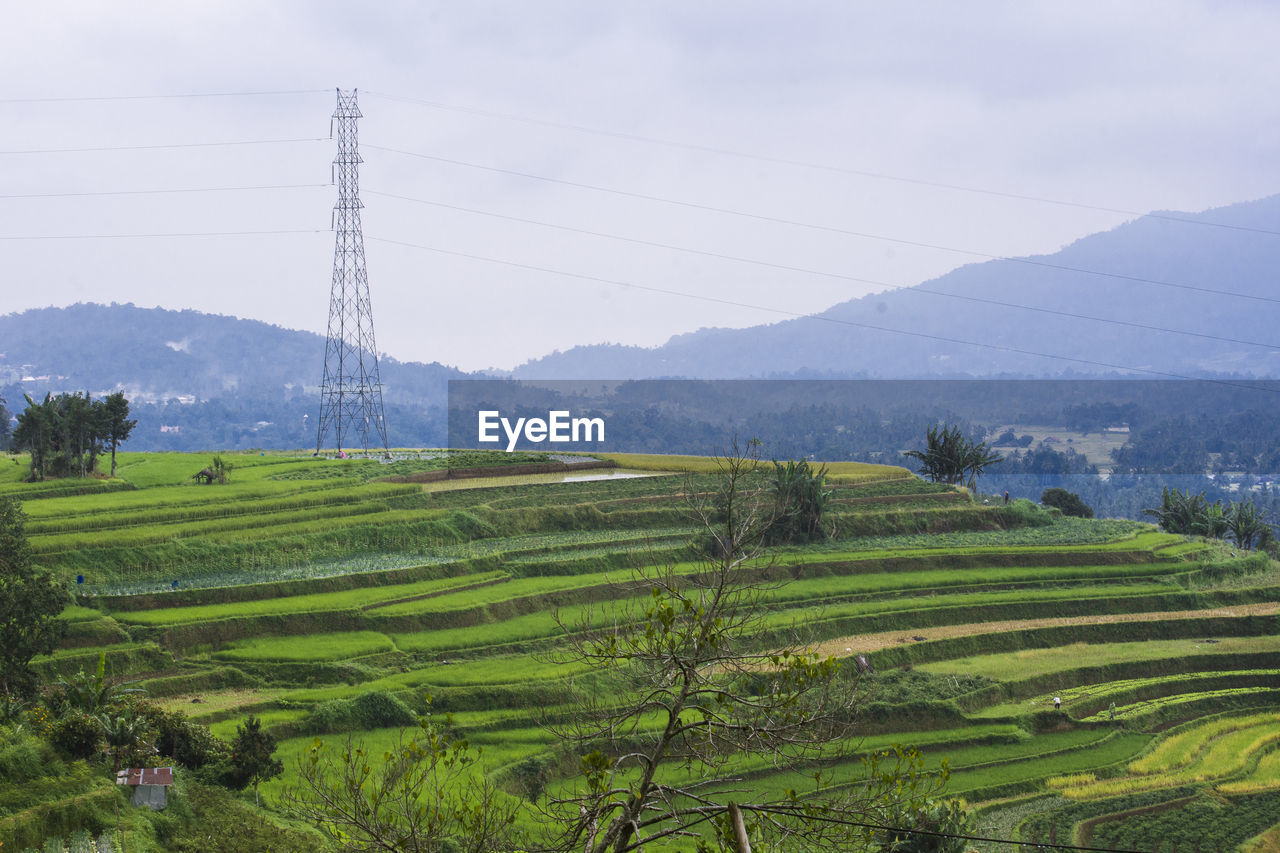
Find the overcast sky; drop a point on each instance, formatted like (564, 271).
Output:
(496, 133)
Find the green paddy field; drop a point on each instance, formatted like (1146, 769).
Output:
(306, 583)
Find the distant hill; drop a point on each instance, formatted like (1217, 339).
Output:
(222, 381)
(1239, 252)
(202, 381)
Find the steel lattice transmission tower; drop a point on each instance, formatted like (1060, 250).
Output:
(351, 392)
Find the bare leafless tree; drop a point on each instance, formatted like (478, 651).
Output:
(692, 693)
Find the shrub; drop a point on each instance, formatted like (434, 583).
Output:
(22, 757)
(77, 735)
(380, 709)
(1023, 513)
(374, 710)
(177, 738)
(1069, 502)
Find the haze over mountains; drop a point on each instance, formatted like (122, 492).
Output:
(158, 354)
(1239, 253)
(1156, 280)
(200, 381)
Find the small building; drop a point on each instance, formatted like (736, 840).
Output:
(150, 785)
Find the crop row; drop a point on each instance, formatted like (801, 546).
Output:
(352, 599)
(1054, 819)
(1201, 824)
(80, 520)
(518, 611)
(815, 602)
(838, 472)
(325, 555)
(1181, 748)
(218, 529)
(542, 624)
(1092, 700)
(978, 769)
(38, 493)
(174, 497)
(537, 553)
(1051, 669)
(1108, 534)
(1219, 757)
(1265, 776)
(269, 549)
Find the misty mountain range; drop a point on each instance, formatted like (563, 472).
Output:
(1158, 271)
(1161, 294)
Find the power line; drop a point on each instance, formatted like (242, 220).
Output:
(786, 161)
(73, 99)
(827, 228)
(164, 146)
(815, 317)
(164, 191)
(182, 234)
(825, 167)
(823, 273)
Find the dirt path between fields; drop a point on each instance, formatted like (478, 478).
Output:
(872, 642)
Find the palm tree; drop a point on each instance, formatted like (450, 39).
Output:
(950, 457)
(123, 731)
(1246, 523)
(976, 460)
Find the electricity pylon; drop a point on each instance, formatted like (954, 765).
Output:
(351, 391)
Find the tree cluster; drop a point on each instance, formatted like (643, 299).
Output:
(30, 601)
(1193, 515)
(92, 717)
(66, 434)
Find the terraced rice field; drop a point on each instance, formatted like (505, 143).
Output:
(304, 584)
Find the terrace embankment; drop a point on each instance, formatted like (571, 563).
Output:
(840, 646)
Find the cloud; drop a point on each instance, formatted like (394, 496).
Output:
(1134, 107)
